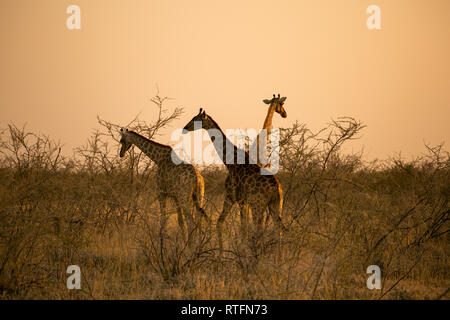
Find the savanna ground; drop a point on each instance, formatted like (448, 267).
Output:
(341, 214)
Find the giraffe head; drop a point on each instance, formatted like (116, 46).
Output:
(277, 104)
(125, 141)
(203, 118)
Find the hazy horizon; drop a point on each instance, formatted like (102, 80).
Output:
(227, 57)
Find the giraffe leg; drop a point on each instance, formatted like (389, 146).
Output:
(163, 216)
(162, 225)
(275, 213)
(200, 212)
(267, 220)
(244, 208)
(227, 204)
(184, 212)
(191, 227)
(257, 232)
(181, 224)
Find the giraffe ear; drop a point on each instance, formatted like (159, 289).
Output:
(282, 100)
(267, 101)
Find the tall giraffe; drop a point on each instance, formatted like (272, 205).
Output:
(275, 105)
(244, 185)
(181, 183)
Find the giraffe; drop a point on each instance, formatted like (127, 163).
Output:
(244, 185)
(275, 105)
(181, 183)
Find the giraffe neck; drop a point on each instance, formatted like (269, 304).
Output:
(222, 148)
(267, 126)
(157, 152)
(268, 121)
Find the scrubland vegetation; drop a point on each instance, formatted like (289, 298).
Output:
(341, 214)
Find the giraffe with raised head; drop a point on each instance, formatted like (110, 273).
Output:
(244, 185)
(180, 182)
(275, 105)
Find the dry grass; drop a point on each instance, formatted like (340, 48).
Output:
(341, 216)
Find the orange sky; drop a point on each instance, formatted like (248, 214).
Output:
(227, 56)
